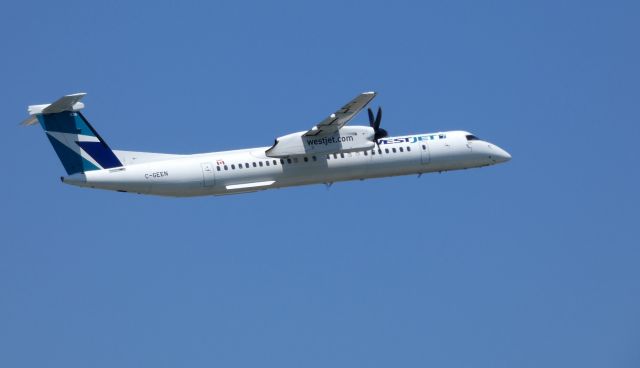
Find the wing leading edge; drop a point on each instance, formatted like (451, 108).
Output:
(341, 117)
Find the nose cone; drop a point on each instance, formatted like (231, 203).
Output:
(499, 155)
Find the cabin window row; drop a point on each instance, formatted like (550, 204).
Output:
(379, 151)
(246, 165)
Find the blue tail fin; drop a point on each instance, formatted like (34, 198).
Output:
(78, 146)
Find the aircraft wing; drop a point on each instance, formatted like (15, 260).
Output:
(341, 117)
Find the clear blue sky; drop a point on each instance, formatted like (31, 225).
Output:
(534, 263)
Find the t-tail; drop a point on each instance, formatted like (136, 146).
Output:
(78, 146)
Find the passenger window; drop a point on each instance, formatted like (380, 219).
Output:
(342, 155)
(379, 151)
(226, 167)
(408, 149)
(275, 162)
(306, 159)
(254, 164)
(424, 147)
(373, 152)
(315, 158)
(281, 161)
(218, 167)
(401, 149)
(246, 165)
(335, 155)
(365, 153)
(260, 163)
(267, 162)
(386, 150)
(233, 167)
(394, 150)
(288, 160)
(239, 166)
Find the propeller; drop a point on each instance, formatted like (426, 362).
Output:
(374, 122)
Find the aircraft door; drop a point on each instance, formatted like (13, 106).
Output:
(208, 175)
(425, 155)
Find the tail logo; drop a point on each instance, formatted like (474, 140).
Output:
(77, 144)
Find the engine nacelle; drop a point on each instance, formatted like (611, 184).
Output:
(347, 139)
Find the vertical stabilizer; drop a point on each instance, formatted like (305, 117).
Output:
(78, 146)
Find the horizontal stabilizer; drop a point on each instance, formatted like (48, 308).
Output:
(66, 103)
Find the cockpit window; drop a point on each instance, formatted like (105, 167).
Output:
(472, 138)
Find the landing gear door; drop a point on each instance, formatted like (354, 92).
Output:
(425, 156)
(208, 175)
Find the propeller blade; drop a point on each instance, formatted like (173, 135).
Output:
(371, 119)
(376, 124)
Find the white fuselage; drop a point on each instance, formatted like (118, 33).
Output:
(249, 170)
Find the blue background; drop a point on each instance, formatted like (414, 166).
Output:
(533, 263)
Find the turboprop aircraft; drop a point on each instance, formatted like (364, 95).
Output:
(330, 151)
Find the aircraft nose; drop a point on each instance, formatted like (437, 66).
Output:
(499, 155)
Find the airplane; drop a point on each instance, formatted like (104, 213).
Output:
(329, 152)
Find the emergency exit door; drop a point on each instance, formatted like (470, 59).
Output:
(208, 175)
(425, 156)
